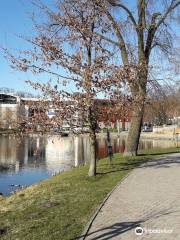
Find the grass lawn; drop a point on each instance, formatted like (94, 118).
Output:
(59, 207)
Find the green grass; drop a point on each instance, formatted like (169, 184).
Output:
(60, 207)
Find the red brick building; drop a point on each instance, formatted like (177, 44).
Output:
(109, 115)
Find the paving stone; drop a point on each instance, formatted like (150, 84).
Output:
(148, 198)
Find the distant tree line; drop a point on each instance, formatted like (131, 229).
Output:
(163, 106)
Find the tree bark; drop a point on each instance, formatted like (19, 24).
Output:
(139, 95)
(92, 167)
(134, 131)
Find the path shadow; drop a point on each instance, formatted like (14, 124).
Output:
(164, 162)
(122, 227)
(115, 230)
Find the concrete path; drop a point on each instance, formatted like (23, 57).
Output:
(147, 203)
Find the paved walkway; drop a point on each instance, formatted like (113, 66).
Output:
(148, 198)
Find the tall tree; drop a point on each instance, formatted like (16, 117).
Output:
(137, 31)
(66, 49)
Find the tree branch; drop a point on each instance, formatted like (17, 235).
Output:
(151, 33)
(141, 27)
(121, 43)
(154, 26)
(114, 4)
(169, 9)
(107, 39)
(53, 73)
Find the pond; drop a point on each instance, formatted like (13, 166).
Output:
(33, 158)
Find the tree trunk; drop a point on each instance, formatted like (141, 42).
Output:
(92, 167)
(134, 131)
(138, 90)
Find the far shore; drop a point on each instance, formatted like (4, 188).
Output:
(144, 135)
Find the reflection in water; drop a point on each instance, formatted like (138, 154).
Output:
(118, 145)
(59, 152)
(32, 159)
(148, 144)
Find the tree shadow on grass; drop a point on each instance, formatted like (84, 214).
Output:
(159, 153)
(121, 166)
(129, 164)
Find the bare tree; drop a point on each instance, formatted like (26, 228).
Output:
(137, 31)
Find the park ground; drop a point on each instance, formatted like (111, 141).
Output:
(145, 205)
(60, 207)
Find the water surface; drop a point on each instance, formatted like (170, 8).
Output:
(31, 159)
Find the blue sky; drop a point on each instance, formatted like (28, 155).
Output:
(14, 20)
